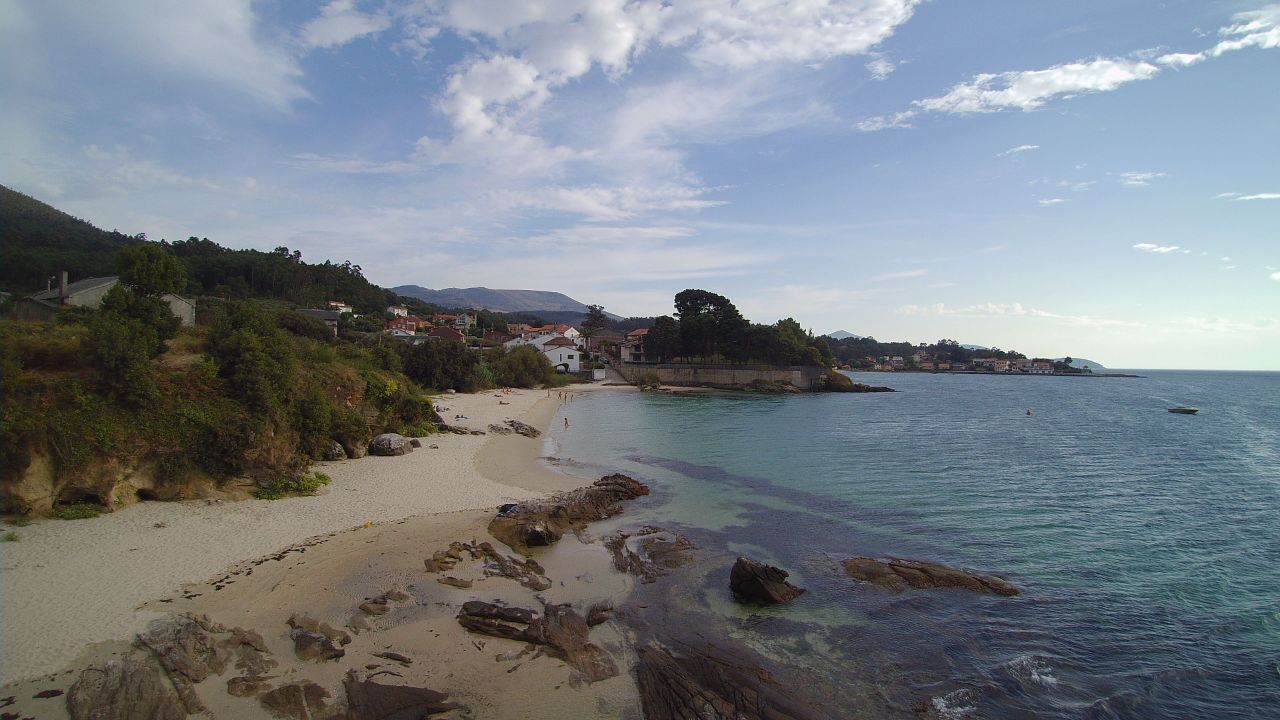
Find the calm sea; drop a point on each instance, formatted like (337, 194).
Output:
(1147, 544)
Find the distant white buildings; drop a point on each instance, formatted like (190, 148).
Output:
(561, 344)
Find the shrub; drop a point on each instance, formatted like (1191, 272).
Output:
(77, 511)
(10, 536)
(304, 484)
(120, 350)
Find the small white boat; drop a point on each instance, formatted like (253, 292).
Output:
(1183, 410)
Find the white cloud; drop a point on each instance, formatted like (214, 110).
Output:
(1139, 179)
(1157, 249)
(880, 68)
(1011, 310)
(1260, 196)
(900, 275)
(1046, 202)
(1275, 276)
(339, 23)
(1018, 149)
(1028, 90)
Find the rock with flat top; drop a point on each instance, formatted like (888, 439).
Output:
(753, 581)
(559, 629)
(898, 574)
(543, 522)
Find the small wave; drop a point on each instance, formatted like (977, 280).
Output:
(1033, 668)
(955, 704)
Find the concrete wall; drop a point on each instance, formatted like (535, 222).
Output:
(723, 376)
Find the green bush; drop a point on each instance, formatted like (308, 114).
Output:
(10, 536)
(77, 511)
(304, 484)
(120, 349)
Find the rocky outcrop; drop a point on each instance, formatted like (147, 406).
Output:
(334, 451)
(649, 552)
(839, 382)
(543, 522)
(520, 428)
(303, 700)
(897, 574)
(388, 444)
(711, 685)
(753, 581)
(560, 630)
(368, 700)
(157, 677)
(525, 571)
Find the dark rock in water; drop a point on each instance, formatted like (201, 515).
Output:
(303, 700)
(368, 700)
(334, 451)
(125, 689)
(897, 574)
(711, 686)
(753, 581)
(390, 444)
(649, 552)
(543, 522)
(560, 630)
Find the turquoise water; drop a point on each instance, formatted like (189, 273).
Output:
(1147, 544)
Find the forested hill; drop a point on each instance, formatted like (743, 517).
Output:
(542, 302)
(37, 241)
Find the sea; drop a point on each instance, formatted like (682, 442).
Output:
(1146, 544)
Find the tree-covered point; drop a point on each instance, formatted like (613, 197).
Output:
(864, 351)
(708, 328)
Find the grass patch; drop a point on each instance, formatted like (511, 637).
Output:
(10, 536)
(304, 484)
(77, 511)
(17, 520)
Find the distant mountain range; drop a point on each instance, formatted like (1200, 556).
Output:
(842, 334)
(552, 306)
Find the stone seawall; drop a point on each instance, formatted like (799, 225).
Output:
(725, 376)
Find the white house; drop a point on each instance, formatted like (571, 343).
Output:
(563, 354)
(341, 307)
(398, 310)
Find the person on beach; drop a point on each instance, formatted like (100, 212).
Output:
(566, 423)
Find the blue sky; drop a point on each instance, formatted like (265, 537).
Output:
(1098, 178)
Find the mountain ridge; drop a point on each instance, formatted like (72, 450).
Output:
(503, 300)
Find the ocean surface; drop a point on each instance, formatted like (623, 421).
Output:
(1146, 544)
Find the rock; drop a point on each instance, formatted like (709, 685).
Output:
(303, 700)
(184, 649)
(247, 686)
(368, 700)
(46, 694)
(388, 655)
(599, 613)
(353, 448)
(388, 444)
(415, 442)
(454, 582)
(560, 630)
(712, 685)
(898, 574)
(649, 552)
(315, 641)
(522, 429)
(753, 581)
(334, 451)
(125, 689)
(543, 522)
(499, 429)
(314, 647)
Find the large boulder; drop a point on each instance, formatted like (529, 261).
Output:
(898, 574)
(334, 451)
(132, 687)
(543, 522)
(390, 444)
(753, 581)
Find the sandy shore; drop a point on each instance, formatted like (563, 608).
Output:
(66, 584)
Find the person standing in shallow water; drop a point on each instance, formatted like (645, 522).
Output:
(566, 423)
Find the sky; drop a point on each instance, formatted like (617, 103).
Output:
(1096, 178)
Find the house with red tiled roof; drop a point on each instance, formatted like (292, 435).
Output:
(446, 333)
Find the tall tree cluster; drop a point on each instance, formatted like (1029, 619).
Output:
(708, 328)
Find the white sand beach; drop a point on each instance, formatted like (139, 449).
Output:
(67, 584)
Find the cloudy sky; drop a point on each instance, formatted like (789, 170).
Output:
(1098, 178)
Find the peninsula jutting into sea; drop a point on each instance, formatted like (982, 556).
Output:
(392, 359)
